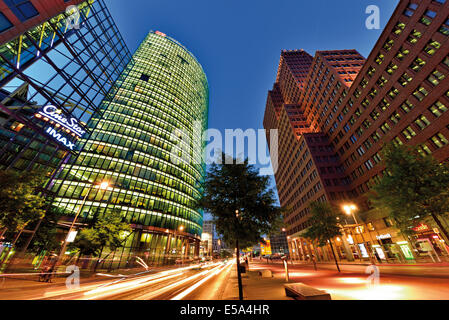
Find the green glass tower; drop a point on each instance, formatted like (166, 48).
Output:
(147, 144)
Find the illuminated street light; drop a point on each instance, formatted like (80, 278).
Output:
(181, 228)
(104, 185)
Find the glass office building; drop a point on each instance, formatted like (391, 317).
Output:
(49, 57)
(148, 146)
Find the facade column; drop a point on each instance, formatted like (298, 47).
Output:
(303, 255)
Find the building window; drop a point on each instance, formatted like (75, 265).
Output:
(145, 77)
(391, 68)
(423, 149)
(395, 117)
(428, 17)
(417, 64)
(407, 106)
(436, 77)
(402, 53)
(444, 29)
(439, 140)
(409, 11)
(5, 24)
(397, 141)
(422, 122)
(432, 47)
(438, 109)
(420, 93)
(385, 127)
(405, 79)
(23, 9)
(408, 133)
(399, 28)
(414, 36)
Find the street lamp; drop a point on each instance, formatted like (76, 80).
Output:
(350, 209)
(102, 186)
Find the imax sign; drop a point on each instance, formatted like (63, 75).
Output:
(61, 139)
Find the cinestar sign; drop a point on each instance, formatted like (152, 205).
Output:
(61, 139)
(56, 115)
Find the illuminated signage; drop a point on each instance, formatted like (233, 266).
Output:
(421, 227)
(350, 240)
(384, 236)
(61, 139)
(363, 250)
(51, 113)
(265, 249)
(71, 236)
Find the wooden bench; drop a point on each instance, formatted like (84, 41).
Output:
(300, 291)
(266, 273)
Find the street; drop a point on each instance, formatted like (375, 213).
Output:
(201, 282)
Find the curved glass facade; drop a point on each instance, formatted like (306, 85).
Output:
(146, 143)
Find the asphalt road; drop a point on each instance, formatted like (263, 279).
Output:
(203, 281)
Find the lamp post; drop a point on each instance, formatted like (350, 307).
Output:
(239, 276)
(180, 229)
(349, 210)
(103, 186)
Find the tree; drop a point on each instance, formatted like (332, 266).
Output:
(45, 237)
(20, 201)
(324, 226)
(108, 232)
(414, 186)
(241, 203)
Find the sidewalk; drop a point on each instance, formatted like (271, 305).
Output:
(254, 287)
(360, 263)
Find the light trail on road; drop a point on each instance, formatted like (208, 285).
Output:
(127, 285)
(213, 273)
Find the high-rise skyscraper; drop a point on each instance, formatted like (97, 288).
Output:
(349, 108)
(147, 145)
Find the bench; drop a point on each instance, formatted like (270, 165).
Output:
(266, 274)
(300, 291)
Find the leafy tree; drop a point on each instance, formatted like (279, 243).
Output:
(241, 203)
(324, 226)
(46, 236)
(20, 202)
(414, 186)
(108, 232)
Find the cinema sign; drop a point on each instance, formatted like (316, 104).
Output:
(53, 114)
(60, 124)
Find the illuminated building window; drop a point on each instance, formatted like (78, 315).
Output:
(409, 133)
(438, 109)
(439, 140)
(422, 122)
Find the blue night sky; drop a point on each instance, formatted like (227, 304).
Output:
(238, 43)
